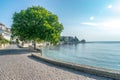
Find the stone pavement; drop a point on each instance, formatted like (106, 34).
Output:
(17, 64)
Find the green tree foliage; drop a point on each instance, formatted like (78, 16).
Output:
(36, 23)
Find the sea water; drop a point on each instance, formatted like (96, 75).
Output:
(98, 54)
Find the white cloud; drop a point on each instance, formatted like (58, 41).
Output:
(115, 7)
(91, 18)
(111, 24)
(89, 23)
(109, 6)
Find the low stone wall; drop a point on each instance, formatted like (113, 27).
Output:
(114, 74)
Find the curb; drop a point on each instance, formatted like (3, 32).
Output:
(114, 74)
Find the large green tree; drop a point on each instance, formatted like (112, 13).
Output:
(36, 23)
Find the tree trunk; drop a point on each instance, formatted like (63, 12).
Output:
(22, 43)
(34, 45)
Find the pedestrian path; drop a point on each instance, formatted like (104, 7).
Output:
(16, 64)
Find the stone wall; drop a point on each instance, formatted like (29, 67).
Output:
(114, 74)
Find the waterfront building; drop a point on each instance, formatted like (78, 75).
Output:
(5, 32)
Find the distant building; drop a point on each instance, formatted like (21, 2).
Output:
(69, 40)
(5, 32)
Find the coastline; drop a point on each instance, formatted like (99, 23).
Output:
(114, 74)
(17, 64)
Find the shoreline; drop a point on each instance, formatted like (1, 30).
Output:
(18, 64)
(114, 74)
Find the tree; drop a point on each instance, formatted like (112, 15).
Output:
(83, 41)
(36, 23)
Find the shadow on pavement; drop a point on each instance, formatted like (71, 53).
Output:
(14, 51)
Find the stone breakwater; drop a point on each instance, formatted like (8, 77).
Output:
(16, 64)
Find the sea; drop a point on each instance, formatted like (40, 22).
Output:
(102, 54)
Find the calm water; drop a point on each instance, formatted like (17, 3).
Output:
(102, 54)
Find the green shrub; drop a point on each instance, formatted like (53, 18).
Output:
(3, 41)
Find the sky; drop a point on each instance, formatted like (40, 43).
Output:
(92, 20)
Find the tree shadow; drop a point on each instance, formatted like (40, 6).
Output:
(14, 51)
(68, 69)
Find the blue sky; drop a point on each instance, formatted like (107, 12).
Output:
(93, 20)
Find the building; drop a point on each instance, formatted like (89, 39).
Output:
(5, 32)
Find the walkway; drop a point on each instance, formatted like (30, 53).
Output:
(16, 64)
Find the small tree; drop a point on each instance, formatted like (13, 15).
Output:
(36, 23)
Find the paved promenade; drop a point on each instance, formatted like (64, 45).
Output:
(16, 64)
